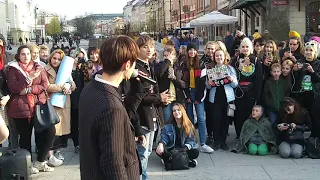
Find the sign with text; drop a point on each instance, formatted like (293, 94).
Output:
(280, 2)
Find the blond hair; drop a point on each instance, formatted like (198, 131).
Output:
(57, 51)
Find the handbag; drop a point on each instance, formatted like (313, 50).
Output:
(231, 109)
(313, 148)
(178, 160)
(45, 115)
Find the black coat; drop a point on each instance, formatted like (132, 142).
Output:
(164, 82)
(108, 147)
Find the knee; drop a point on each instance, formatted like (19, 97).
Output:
(284, 152)
(296, 153)
(263, 149)
(252, 149)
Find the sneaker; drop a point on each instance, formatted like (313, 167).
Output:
(224, 147)
(54, 162)
(58, 155)
(193, 163)
(77, 149)
(216, 146)
(34, 170)
(206, 149)
(43, 166)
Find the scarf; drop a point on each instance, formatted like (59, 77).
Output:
(2, 57)
(27, 68)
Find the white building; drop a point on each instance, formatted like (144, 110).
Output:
(69, 28)
(127, 12)
(3, 22)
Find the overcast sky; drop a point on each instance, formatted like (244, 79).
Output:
(72, 8)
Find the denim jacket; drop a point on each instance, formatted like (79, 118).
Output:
(228, 88)
(168, 138)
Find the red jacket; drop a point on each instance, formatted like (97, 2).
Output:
(17, 81)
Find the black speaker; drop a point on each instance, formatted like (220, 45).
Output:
(15, 164)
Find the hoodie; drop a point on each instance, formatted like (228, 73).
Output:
(7, 56)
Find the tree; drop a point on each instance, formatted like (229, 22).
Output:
(53, 28)
(85, 25)
(63, 22)
(65, 34)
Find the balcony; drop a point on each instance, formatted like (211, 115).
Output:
(186, 9)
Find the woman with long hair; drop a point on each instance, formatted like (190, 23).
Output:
(178, 132)
(94, 62)
(268, 56)
(27, 82)
(250, 76)
(220, 95)
(195, 88)
(63, 128)
(294, 51)
(306, 84)
(292, 122)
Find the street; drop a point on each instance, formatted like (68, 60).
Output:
(219, 165)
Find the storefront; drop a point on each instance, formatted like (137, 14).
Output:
(313, 17)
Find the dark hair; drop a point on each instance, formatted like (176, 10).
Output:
(284, 117)
(19, 51)
(196, 61)
(256, 30)
(170, 43)
(260, 41)
(72, 48)
(282, 44)
(116, 51)
(92, 49)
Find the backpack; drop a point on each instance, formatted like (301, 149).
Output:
(313, 148)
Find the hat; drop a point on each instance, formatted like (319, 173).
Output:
(313, 45)
(294, 34)
(315, 38)
(192, 45)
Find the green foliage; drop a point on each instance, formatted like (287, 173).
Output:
(53, 28)
(85, 25)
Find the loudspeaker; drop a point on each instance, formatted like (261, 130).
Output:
(15, 164)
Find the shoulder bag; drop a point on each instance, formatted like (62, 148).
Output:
(45, 115)
(178, 160)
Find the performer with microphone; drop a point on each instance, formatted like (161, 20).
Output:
(108, 149)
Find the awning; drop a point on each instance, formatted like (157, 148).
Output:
(243, 4)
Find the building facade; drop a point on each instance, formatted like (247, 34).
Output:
(3, 20)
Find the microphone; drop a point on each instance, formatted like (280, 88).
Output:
(136, 74)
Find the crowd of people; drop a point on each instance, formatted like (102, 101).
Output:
(270, 92)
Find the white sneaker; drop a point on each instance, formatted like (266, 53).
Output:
(58, 155)
(54, 162)
(42, 166)
(206, 149)
(34, 170)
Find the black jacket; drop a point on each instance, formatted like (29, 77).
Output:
(78, 78)
(151, 105)
(164, 82)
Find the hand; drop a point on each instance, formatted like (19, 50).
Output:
(4, 100)
(267, 61)
(230, 78)
(196, 102)
(287, 54)
(164, 96)
(293, 125)
(309, 68)
(66, 88)
(90, 73)
(297, 67)
(142, 140)
(283, 127)
(160, 149)
(34, 74)
(188, 100)
(210, 83)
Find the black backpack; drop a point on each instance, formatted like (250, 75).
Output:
(178, 160)
(313, 148)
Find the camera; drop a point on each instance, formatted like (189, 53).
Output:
(304, 65)
(81, 60)
(287, 125)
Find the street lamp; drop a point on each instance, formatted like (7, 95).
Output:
(35, 21)
(180, 16)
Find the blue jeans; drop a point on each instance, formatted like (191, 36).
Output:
(273, 116)
(167, 111)
(144, 154)
(200, 116)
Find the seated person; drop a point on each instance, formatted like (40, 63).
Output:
(292, 122)
(256, 135)
(178, 132)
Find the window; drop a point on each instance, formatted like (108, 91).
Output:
(257, 21)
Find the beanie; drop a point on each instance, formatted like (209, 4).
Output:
(192, 45)
(294, 34)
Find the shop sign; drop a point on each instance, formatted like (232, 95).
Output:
(280, 2)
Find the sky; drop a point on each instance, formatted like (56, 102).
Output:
(72, 8)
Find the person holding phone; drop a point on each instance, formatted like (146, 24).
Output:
(268, 56)
(294, 51)
(306, 88)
